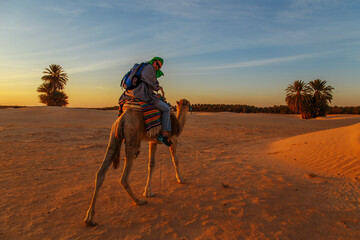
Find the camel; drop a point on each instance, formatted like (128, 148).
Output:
(130, 129)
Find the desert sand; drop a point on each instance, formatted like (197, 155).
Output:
(249, 176)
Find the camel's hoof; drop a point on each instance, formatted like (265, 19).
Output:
(90, 223)
(141, 202)
(181, 180)
(149, 194)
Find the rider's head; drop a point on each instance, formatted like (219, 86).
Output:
(156, 62)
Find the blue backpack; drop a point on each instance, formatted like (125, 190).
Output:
(132, 79)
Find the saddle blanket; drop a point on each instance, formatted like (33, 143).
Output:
(152, 116)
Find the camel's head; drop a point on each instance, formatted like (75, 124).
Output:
(183, 103)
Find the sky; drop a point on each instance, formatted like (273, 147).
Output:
(215, 51)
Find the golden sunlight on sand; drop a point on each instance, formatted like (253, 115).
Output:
(328, 152)
(249, 176)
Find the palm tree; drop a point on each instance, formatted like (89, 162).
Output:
(45, 98)
(50, 98)
(54, 81)
(298, 98)
(321, 95)
(60, 98)
(56, 76)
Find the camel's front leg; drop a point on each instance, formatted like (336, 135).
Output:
(100, 176)
(175, 160)
(152, 151)
(131, 153)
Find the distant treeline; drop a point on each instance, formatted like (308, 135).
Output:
(344, 110)
(3, 107)
(281, 109)
(238, 108)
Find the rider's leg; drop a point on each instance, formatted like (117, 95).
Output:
(165, 118)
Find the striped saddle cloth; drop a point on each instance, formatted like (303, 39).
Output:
(152, 116)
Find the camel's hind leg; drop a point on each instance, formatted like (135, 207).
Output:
(100, 176)
(175, 159)
(152, 150)
(131, 154)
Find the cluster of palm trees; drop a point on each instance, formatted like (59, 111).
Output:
(51, 90)
(309, 99)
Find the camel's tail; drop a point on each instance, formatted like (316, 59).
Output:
(116, 139)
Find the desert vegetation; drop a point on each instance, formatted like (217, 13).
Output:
(309, 99)
(240, 108)
(51, 90)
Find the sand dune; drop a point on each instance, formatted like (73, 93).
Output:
(329, 152)
(239, 185)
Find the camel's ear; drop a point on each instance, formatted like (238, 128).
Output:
(177, 102)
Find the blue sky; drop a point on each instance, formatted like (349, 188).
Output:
(233, 52)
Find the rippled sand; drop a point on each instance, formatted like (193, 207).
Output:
(249, 176)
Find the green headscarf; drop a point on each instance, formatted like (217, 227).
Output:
(159, 73)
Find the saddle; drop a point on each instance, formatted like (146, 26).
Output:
(134, 105)
(152, 116)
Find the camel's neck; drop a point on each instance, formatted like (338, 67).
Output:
(181, 117)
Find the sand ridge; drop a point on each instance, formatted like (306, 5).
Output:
(328, 152)
(235, 190)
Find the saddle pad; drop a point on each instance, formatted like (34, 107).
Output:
(131, 105)
(151, 115)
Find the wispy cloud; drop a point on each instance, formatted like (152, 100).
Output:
(99, 65)
(7, 66)
(313, 3)
(16, 28)
(65, 11)
(263, 62)
(309, 9)
(184, 9)
(101, 4)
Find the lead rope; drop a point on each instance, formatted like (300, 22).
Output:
(223, 177)
(161, 180)
(161, 167)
